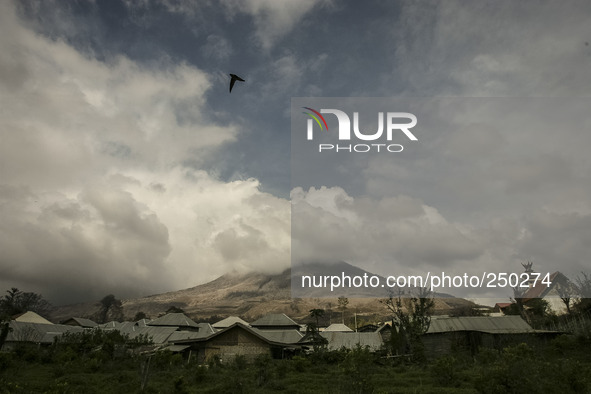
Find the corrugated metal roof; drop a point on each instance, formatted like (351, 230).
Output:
(280, 336)
(350, 340)
(274, 320)
(337, 327)
(82, 322)
(176, 348)
(228, 321)
(236, 326)
(173, 320)
(541, 289)
(31, 317)
(158, 335)
(205, 330)
(488, 324)
(37, 332)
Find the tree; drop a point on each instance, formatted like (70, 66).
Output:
(411, 318)
(111, 308)
(174, 309)
(16, 301)
(313, 329)
(583, 284)
(343, 302)
(140, 316)
(317, 314)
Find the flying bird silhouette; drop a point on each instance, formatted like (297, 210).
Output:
(233, 80)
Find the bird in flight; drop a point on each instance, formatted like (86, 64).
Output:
(233, 80)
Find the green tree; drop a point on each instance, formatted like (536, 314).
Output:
(313, 329)
(111, 309)
(583, 284)
(174, 309)
(16, 301)
(411, 318)
(316, 314)
(139, 316)
(343, 302)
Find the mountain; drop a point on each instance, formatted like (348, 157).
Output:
(250, 296)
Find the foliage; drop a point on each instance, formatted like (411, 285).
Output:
(411, 318)
(174, 309)
(358, 368)
(16, 301)
(140, 316)
(343, 302)
(110, 309)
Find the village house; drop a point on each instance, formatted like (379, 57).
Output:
(236, 340)
(469, 333)
(228, 321)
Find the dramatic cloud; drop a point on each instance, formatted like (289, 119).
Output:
(273, 19)
(396, 233)
(95, 193)
(127, 168)
(496, 48)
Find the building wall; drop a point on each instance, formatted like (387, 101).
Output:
(233, 343)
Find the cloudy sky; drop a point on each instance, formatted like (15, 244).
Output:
(126, 167)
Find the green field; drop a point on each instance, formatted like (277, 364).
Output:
(562, 366)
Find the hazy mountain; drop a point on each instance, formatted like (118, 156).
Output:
(249, 296)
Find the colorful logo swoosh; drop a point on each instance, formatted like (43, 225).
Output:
(315, 116)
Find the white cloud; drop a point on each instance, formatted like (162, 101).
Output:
(94, 194)
(388, 233)
(503, 48)
(273, 18)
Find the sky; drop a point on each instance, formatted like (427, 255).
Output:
(127, 168)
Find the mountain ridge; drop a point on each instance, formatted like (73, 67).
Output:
(250, 295)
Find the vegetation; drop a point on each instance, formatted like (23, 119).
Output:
(97, 362)
(411, 318)
(110, 309)
(16, 301)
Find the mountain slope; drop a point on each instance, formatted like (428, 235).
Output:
(249, 296)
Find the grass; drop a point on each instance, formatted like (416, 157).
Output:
(564, 366)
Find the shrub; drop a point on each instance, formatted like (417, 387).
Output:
(445, 371)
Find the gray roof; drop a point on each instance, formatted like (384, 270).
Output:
(280, 336)
(37, 332)
(176, 348)
(173, 320)
(82, 322)
(158, 335)
(253, 331)
(142, 322)
(338, 327)
(350, 340)
(32, 317)
(274, 320)
(205, 330)
(487, 324)
(228, 321)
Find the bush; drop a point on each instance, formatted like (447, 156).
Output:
(358, 368)
(5, 361)
(300, 364)
(445, 371)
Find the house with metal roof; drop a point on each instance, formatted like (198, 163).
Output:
(178, 320)
(337, 327)
(228, 321)
(35, 333)
(80, 322)
(469, 333)
(31, 317)
(275, 321)
(236, 340)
